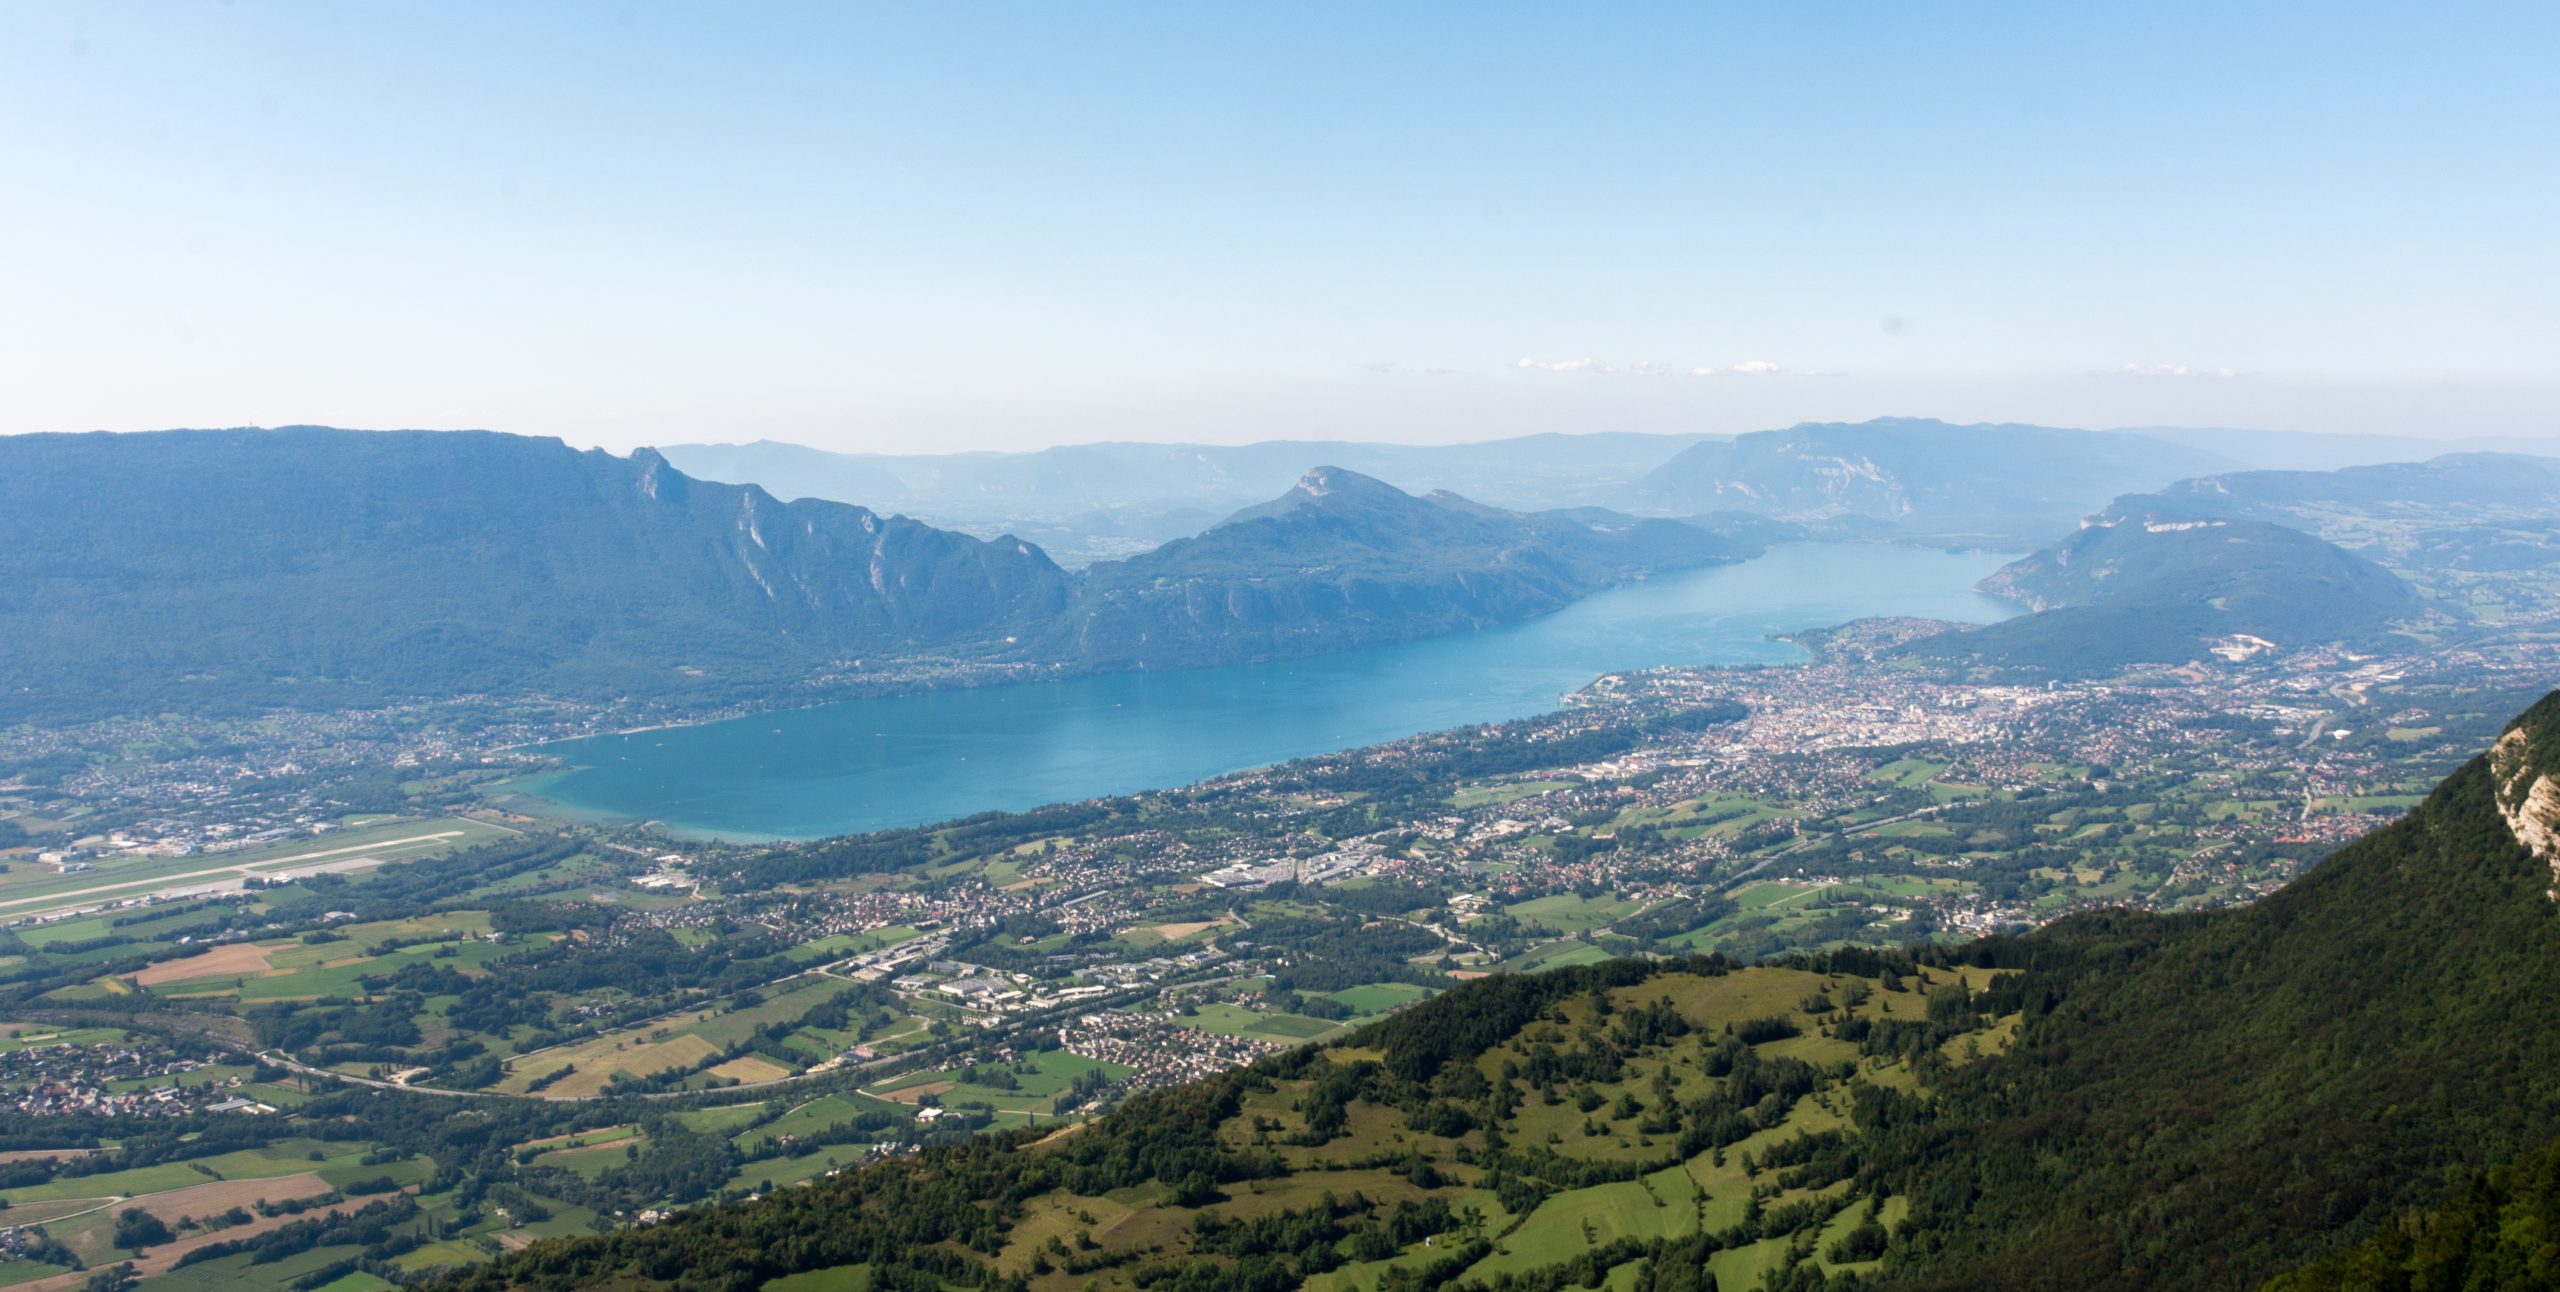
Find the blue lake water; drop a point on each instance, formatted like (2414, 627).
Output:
(912, 759)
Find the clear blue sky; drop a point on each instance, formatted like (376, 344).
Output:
(954, 226)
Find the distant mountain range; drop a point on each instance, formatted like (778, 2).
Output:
(210, 571)
(2459, 511)
(1095, 501)
(2325, 450)
(1342, 560)
(1993, 485)
(2003, 485)
(2248, 561)
(193, 570)
(2144, 583)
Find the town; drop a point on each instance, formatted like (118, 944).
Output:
(331, 913)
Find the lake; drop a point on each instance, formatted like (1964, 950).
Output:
(931, 756)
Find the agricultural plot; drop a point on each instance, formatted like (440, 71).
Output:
(1505, 792)
(1717, 815)
(1379, 998)
(681, 1040)
(1619, 1161)
(1556, 955)
(344, 974)
(1149, 936)
(1770, 895)
(1236, 1020)
(838, 946)
(1569, 913)
(1031, 1086)
(1292, 1027)
(1908, 773)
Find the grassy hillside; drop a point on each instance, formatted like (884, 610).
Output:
(1535, 1128)
(2115, 1102)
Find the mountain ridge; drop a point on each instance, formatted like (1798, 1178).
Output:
(2145, 583)
(308, 567)
(1343, 560)
(1919, 477)
(320, 567)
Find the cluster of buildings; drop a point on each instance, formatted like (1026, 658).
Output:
(113, 1080)
(1160, 1051)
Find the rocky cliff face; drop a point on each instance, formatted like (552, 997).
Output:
(2522, 765)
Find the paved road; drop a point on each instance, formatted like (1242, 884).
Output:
(1801, 844)
(265, 867)
(919, 1057)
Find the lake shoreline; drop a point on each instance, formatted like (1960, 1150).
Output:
(920, 756)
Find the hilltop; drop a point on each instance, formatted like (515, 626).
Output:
(2146, 584)
(1343, 560)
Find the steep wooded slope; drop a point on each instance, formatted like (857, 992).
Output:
(213, 570)
(1343, 560)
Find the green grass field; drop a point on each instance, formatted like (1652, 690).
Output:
(1291, 1027)
(1567, 913)
(1480, 795)
(1378, 998)
(1556, 955)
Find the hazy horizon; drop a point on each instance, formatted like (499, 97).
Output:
(2452, 438)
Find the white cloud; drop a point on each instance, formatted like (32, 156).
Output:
(1754, 368)
(2173, 370)
(1563, 365)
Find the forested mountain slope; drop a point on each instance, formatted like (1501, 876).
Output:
(229, 571)
(2501, 1232)
(1342, 560)
(2115, 1102)
(2146, 584)
(216, 570)
(2209, 1100)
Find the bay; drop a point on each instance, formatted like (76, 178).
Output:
(931, 756)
